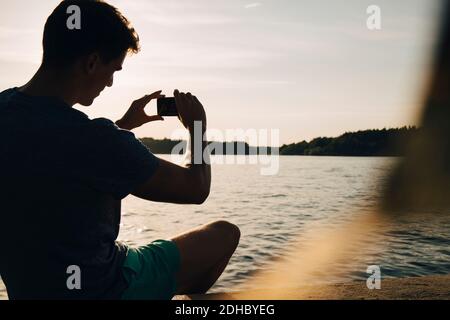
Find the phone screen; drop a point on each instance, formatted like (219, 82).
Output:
(167, 107)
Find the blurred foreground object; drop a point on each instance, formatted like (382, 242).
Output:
(421, 181)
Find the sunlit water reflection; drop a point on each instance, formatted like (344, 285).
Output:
(307, 192)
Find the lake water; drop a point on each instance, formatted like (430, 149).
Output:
(273, 210)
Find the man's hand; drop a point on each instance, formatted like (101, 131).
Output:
(182, 184)
(189, 110)
(136, 116)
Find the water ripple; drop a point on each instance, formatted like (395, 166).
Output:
(271, 211)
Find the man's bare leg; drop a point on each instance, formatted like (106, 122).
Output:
(205, 252)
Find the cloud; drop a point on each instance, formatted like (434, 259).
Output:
(6, 31)
(206, 57)
(17, 56)
(190, 20)
(253, 5)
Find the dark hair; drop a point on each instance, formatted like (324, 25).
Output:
(103, 29)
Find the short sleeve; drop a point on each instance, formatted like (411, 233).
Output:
(114, 160)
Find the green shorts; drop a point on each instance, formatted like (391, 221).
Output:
(150, 271)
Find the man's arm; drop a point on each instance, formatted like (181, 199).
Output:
(182, 184)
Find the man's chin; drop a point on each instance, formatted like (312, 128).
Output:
(87, 103)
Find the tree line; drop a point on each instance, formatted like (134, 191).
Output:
(384, 142)
(376, 142)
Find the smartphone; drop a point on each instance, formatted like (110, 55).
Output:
(167, 107)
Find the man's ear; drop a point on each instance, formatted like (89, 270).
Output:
(92, 62)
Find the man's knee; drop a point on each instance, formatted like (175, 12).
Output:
(229, 231)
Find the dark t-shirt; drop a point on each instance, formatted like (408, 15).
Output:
(62, 177)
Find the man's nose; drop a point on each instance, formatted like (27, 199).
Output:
(110, 83)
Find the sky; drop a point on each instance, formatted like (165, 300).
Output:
(308, 68)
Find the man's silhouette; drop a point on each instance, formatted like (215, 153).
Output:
(63, 177)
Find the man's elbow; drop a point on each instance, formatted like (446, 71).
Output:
(201, 196)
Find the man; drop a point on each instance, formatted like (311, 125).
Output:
(63, 176)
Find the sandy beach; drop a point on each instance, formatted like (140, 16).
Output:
(3, 295)
(422, 288)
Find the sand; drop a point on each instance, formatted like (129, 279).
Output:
(426, 288)
(3, 295)
(423, 288)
